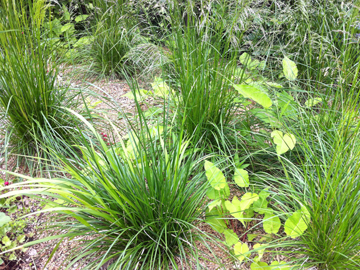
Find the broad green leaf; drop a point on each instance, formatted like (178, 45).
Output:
(279, 266)
(312, 102)
(215, 220)
(295, 225)
(240, 249)
(234, 208)
(283, 142)
(251, 236)
(6, 241)
(264, 193)
(241, 177)
(256, 265)
(66, 13)
(12, 257)
(214, 194)
(140, 95)
(214, 204)
(4, 219)
(82, 42)
(67, 27)
(245, 59)
(305, 213)
(231, 237)
(253, 64)
(290, 69)
(271, 223)
(254, 93)
(273, 84)
(215, 176)
(260, 251)
(81, 18)
(153, 112)
(160, 88)
(260, 206)
(247, 199)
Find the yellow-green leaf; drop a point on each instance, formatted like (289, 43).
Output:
(247, 199)
(290, 69)
(241, 177)
(257, 265)
(279, 266)
(214, 204)
(254, 93)
(240, 250)
(234, 208)
(6, 241)
(4, 219)
(312, 102)
(260, 249)
(271, 223)
(231, 237)
(296, 224)
(283, 142)
(215, 176)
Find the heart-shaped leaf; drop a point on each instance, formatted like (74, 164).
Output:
(231, 237)
(214, 203)
(241, 177)
(247, 200)
(240, 249)
(312, 102)
(216, 221)
(214, 194)
(283, 142)
(215, 176)
(296, 224)
(260, 250)
(271, 223)
(256, 265)
(234, 208)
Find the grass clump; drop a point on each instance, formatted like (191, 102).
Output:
(114, 35)
(133, 204)
(32, 100)
(203, 64)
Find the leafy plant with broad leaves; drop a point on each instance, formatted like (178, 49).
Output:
(251, 206)
(12, 227)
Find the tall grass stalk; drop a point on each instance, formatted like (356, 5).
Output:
(203, 62)
(31, 98)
